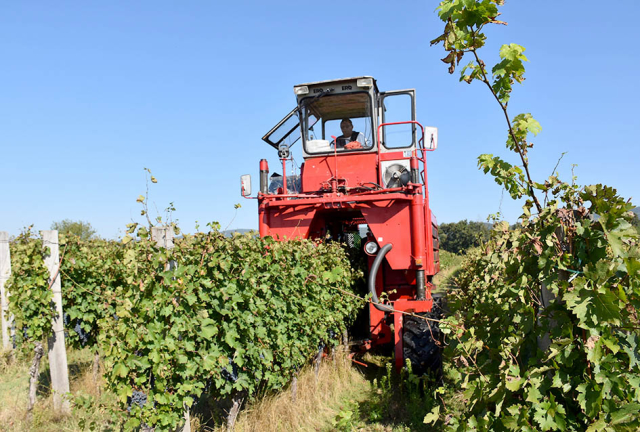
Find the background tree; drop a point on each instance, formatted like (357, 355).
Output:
(84, 230)
(457, 237)
(636, 221)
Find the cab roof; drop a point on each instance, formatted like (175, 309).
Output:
(340, 80)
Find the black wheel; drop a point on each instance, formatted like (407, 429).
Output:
(421, 341)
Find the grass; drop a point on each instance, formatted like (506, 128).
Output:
(346, 397)
(318, 400)
(394, 403)
(342, 397)
(449, 264)
(90, 411)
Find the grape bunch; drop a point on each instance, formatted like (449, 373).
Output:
(203, 394)
(65, 322)
(84, 337)
(137, 398)
(230, 375)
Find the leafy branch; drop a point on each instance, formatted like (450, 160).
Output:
(465, 21)
(543, 303)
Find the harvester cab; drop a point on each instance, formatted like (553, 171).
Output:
(363, 182)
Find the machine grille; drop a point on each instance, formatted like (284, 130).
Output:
(353, 239)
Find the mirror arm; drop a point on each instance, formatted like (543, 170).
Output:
(244, 196)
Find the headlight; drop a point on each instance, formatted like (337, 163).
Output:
(371, 248)
(301, 90)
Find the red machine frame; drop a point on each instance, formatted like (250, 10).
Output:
(334, 193)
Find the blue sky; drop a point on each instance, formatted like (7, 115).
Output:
(93, 92)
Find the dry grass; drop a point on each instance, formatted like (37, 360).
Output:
(321, 402)
(318, 400)
(317, 403)
(449, 264)
(14, 389)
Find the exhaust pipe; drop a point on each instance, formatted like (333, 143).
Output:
(420, 287)
(264, 176)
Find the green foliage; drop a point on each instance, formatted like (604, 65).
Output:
(523, 125)
(544, 331)
(509, 70)
(90, 271)
(449, 260)
(457, 237)
(31, 299)
(509, 176)
(239, 313)
(80, 229)
(465, 20)
(463, 34)
(589, 375)
(635, 221)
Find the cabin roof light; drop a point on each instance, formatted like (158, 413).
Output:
(365, 82)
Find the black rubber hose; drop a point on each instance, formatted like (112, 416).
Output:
(371, 283)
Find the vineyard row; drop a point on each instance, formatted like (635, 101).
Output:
(207, 316)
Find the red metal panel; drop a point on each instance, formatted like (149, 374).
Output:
(417, 231)
(356, 168)
(430, 268)
(416, 306)
(344, 201)
(390, 222)
(398, 345)
(263, 221)
(380, 332)
(396, 155)
(288, 222)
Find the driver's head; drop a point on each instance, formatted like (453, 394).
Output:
(347, 127)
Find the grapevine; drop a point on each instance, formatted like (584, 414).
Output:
(235, 315)
(544, 334)
(30, 301)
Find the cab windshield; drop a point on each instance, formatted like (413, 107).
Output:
(337, 122)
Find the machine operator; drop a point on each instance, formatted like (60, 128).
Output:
(350, 139)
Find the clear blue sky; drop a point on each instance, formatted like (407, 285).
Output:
(93, 92)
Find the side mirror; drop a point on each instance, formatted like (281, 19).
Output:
(430, 138)
(245, 182)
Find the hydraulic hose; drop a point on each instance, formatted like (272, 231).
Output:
(371, 283)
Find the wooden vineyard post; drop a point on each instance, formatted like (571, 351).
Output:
(57, 351)
(316, 362)
(294, 389)
(236, 403)
(547, 297)
(163, 236)
(5, 272)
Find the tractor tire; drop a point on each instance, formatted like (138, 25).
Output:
(422, 341)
